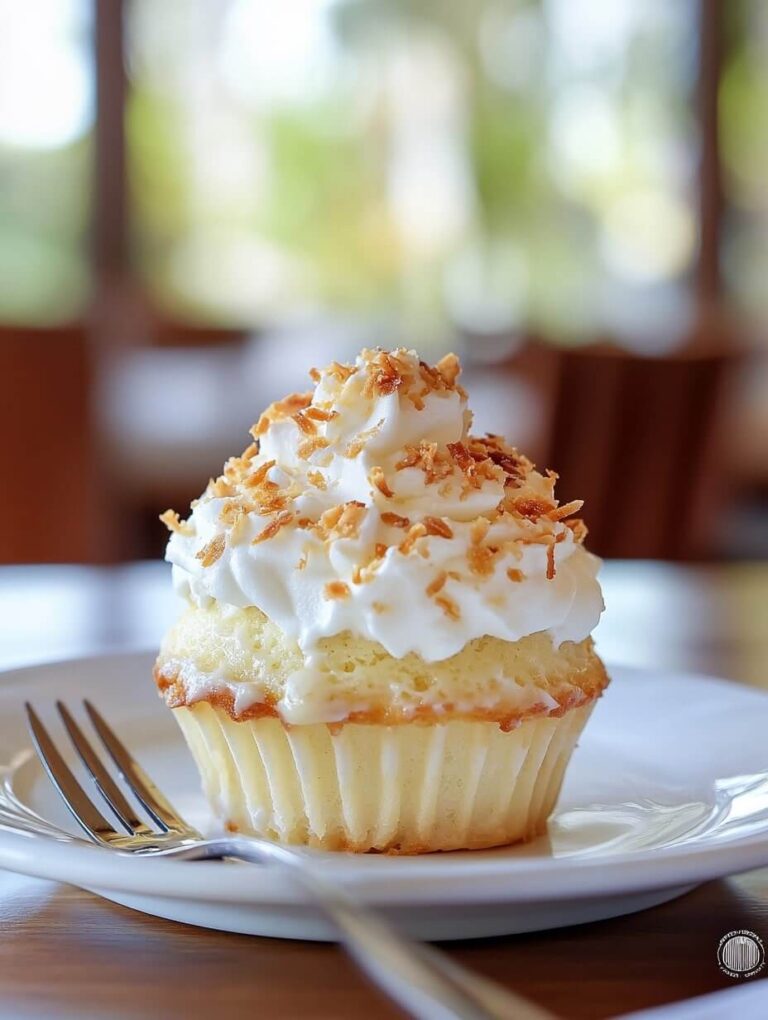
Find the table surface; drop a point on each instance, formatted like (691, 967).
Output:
(66, 953)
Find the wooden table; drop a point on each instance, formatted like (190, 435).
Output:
(65, 953)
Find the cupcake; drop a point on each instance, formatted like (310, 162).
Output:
(385, 643)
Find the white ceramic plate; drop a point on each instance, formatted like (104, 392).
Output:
(668, 788)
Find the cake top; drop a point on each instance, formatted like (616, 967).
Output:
(366, 504)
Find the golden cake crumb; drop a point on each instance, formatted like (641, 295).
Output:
(336, 590)
(515, 575)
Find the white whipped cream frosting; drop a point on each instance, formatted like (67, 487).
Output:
(290, 575)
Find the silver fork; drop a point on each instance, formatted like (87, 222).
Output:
(421, 979)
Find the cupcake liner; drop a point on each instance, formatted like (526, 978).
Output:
(409, 788)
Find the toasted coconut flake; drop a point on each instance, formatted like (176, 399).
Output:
(310, 446)
(494, 449)
(341, 372)
(314, 375)
(348, 525)
(384, 375)
(173, 522)
(449, 368)
(432, 461)
(285, 408)
(320, 414)
(317, 479)
(342, 521)
(331, 517)
(212, 551)
(272, 528)
(469, 466)
(435, 586)
(462, 456)
(481, 559)
(336, 590)
(260, 474)
(233, 511)
(377, 479)
(579, 529)
(305, 424)
(395, 520)
(272, 503)
(417, 399)
(478, 530)
(415, 532)
(411, 459)
(551, 561)
(567, 510)
(515, 575)
(220, 488)
(448, 606)
(437, 526)
(531, 507)
(358, 444)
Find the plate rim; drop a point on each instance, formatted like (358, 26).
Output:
(431, 879)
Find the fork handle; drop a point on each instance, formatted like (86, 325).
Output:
(422, 980)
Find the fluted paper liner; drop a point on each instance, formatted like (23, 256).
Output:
(410, 788)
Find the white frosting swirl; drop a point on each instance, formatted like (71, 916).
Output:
(505, 570)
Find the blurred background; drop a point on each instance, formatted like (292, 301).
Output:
(200, 199)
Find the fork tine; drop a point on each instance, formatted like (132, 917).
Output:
(161, 810)
(74, 796)
(105, 784)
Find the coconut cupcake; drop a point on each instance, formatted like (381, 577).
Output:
(386, 640)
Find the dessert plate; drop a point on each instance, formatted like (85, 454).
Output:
(668, 788)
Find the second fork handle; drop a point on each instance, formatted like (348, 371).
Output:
(422, 980)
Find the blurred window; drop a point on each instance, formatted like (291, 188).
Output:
(46, 116)
(493, 165)
(744, 136)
